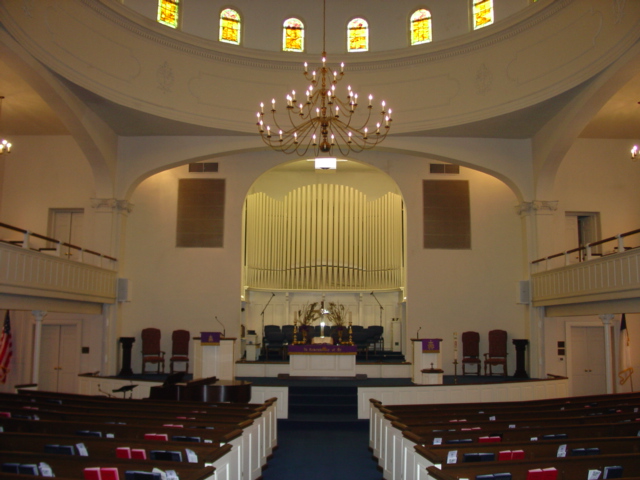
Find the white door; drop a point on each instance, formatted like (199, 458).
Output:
(587, 369)
(59, 358)
(67, 225)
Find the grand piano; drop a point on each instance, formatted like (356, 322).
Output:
(202, 390)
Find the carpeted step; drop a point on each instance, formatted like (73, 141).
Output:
(323, 401)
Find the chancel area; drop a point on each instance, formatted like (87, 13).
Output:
(320, 210)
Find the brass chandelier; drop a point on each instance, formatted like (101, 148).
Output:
(322, 122)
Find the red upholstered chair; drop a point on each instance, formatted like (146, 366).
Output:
(471, 351)
(497, 351)
(180, 348)
(151, 352)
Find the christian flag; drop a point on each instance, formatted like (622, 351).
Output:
(6, 349)
(625, 370)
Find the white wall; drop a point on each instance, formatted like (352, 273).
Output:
(448, 290)
(46, 172)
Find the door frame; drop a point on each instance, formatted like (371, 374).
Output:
(569, 349)
(58, 321)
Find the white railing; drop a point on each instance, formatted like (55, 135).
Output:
(45, 272)
(613, 274)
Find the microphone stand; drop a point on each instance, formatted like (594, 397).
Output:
(384, 355)
(381, 308)
(262, 315)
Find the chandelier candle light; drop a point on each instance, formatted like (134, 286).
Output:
(5, 146)
(322, 121)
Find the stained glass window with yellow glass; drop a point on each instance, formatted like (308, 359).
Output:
(421, 27)
(293, 35)
(482, 13)
(230, 26)
(358, 35)
(168, 11)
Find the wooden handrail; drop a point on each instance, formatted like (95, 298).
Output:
(49, 239)
(593, 244)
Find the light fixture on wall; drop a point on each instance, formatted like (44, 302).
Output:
(321, 121)
(5, 145)
(635, 153)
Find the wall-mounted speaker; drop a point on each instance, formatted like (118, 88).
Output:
(523, 294)
(124, 290)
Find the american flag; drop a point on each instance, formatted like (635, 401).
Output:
(6, 349)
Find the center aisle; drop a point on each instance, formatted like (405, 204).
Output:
(322, 451)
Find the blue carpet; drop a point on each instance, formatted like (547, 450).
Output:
(322, 451)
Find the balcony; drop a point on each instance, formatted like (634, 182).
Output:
(610, 274)
(27, 269)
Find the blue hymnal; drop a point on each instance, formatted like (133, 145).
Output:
(138, 475)
(88, 433)
(28, 469)
(502, 476)
(182, 438)
(612, 472)
(59, 449)
(487, 456)
(10, 467)
(165, 455)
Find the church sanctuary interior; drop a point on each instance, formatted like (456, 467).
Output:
(321, 222)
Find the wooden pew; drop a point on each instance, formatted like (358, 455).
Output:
(106, 448)
(441, 454)
(568, 468)
(258, 437)
(72, 466)
(393, 443)
(266, 423)
(408, 459)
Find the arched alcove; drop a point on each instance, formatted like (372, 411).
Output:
(317, 230)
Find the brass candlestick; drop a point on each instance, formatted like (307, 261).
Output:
(455, 371)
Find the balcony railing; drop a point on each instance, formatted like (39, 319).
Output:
(38, 266)
(582, 275)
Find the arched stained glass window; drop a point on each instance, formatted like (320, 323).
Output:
(482, 13)
(293, 35)
(168, 11)
(421, 27)
(230, 26)
(358, 35)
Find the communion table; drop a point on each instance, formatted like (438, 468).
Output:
(322, 360)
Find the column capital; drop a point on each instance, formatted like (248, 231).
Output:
(537, 207)
(111, 205)
(607, 318)
(39, 315)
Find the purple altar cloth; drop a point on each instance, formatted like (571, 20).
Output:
(322, 349)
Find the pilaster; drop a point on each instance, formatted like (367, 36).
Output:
(537, 220)
(111, 220)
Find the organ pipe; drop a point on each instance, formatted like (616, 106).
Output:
(324, 237)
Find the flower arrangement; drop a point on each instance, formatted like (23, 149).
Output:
(337, 314)
(308, 314)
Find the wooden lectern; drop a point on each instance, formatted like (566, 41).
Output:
(214, 356)
(427, 361)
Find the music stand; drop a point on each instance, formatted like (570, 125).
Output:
(124, 389)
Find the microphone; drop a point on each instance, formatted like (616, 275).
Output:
(273, 294)
(418, 333)
(371, 293)
(224, 330)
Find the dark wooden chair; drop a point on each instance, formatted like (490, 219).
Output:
(497, 351)
(180, 349)
(471, 352)
(151, 352)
